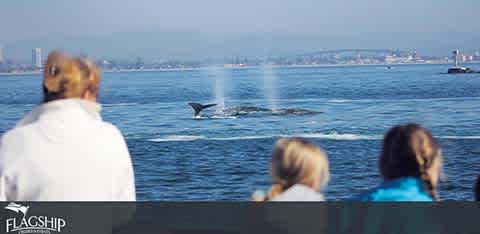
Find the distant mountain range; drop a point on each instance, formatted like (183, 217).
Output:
(151, 44)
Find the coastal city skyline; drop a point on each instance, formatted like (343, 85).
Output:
(315, 58)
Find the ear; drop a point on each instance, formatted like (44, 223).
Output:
(89, 96)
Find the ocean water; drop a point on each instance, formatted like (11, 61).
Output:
(177, 157)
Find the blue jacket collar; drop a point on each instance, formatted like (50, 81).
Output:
(401, 189)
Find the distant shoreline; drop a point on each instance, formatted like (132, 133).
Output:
(236, 67)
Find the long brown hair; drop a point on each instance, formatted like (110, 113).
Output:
(297, 161)
(67, 77)
(410, 150)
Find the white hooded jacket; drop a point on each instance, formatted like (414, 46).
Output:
(63, 151)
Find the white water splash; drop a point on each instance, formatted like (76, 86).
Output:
(329, 136)
(177, 138)
(269, 86)
(326, 136)
(219, 75)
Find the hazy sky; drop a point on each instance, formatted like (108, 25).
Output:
(51, 20)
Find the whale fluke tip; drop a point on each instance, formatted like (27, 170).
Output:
(197, 107)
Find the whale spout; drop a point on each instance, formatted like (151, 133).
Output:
(197, 107)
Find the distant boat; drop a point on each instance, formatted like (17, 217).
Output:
(457, 69)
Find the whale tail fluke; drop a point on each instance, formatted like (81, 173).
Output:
(197, 107)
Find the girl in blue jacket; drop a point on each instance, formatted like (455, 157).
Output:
(410, 164)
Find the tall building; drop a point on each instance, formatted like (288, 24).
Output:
(476, 57)
(37, 57)
(1, 55)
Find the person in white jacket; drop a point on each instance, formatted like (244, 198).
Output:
(299, 170)
(62, 150)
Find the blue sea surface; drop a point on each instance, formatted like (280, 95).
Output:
(177, 157)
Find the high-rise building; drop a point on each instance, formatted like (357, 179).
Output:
(1, 55)
(476, 57)
(37, 57)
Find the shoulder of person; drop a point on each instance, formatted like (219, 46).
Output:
(110, 128)
(12, 143)
(299, 192)
(17, 133)
(115, 136)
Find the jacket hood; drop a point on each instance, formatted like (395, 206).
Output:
(63, 118)
(401, 189)
(299, 192)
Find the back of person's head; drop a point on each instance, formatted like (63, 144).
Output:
(411, 151)
(67, 77)
(297, 161)
(477, 189)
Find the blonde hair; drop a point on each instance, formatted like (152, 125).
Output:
(297, 161)
(67, 77)
(410, 150)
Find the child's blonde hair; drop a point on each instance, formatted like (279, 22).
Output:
(297, 161)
